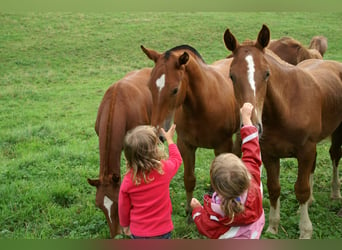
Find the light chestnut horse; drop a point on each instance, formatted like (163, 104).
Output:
(200, 99)
(293, 52)
(125, 105)
(295, 107)
(319, 43)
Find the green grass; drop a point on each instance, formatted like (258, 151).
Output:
(55, 68)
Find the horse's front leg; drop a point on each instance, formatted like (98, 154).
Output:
(188, 154)
(272, 166)
(237, 145)
(306, 160)
(335, 156)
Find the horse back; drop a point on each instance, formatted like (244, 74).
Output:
(328, 77)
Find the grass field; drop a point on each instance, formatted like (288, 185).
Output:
(54, 70)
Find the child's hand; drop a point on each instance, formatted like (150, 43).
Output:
(126, 231)
(246, 113)
(195, 203)
(169, 134)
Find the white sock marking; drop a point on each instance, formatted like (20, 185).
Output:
(161, 82)
(250, 72)
(108, 204)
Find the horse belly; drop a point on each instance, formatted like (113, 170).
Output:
(280, 143)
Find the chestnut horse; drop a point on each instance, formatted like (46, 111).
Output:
(126, 104)
(295, 107)
(319, 43)
(293, 52)
(200, 99)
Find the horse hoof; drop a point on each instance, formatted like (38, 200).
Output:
(335, 197)
(190, 220)
(305, 235)
(339, 213)
(272, 230)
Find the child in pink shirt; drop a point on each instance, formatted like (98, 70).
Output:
(144, 200)
(235, 209)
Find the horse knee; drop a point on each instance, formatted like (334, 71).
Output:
(274, 193)
(335, 154)
(190, 183)
(302, 193)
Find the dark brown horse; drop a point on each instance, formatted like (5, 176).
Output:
(200, 99)
(293, 52)
(126, 104)
(296, 107)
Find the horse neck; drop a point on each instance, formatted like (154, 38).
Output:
(195, 81)
(111, 137)
(278, 92)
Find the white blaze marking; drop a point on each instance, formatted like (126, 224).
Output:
(250, 72)
(161, 82)
(108, 204)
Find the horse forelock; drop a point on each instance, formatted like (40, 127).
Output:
(183, 47)
(248, 42)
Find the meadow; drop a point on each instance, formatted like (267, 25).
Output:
(54, 71)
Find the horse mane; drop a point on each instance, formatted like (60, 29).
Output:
(183, 47)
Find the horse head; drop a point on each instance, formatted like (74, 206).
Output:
(107, 194)
(166, 86)
(249, 71)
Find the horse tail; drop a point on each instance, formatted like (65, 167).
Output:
(111, 128)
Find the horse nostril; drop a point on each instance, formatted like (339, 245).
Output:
(162, 138)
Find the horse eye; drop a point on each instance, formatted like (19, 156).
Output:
(174, 91)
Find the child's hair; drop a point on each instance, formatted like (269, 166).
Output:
(229, 178)
(143, 152)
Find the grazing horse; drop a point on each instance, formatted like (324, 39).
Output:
(200, 99)
(125, 105)
(293, 52)
(295, 108)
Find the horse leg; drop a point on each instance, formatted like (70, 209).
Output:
(272, 170)
(188, 154)
(226, 147)
(311, 181)
(237, 144)
(306, 160)
(335, 156)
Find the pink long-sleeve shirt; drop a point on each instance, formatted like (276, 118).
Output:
(146, 208)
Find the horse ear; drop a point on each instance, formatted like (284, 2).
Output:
(230, 40)
(183, 59)
(94, 182)
(115, 178)
(263, 37)
(153, 55)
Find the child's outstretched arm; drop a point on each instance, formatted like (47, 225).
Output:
(175, 158)
(250, 142)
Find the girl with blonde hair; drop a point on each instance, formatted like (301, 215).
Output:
(144, 198)
(235, 209)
